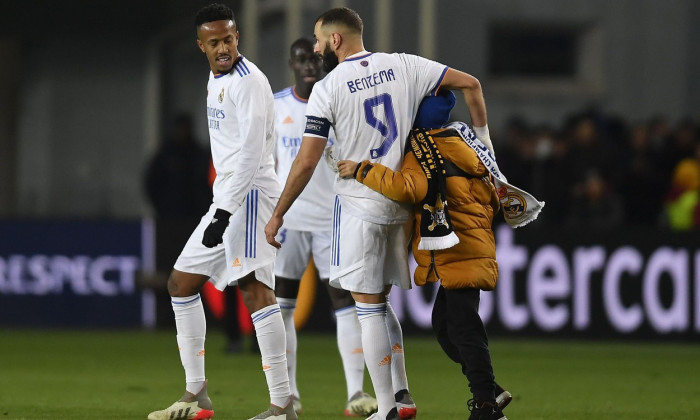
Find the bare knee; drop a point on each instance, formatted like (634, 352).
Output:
(256, 295)
(340, 298)
(369, 297)
(181, 284)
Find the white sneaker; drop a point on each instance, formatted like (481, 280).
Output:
(360, 404)
(189, 407)
(296, 404)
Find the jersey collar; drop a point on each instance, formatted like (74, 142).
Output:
(358, 55)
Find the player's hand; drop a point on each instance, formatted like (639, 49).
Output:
(214, 233)
(271, 229)
(346, 168)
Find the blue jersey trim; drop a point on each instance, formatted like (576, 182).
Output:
(251, 226)
(283, 93)
(289, 91)
(186, 302)
(241, 67)
(358, 58)
(236, 61)
(335, 237)
(439, 82)
(260, 317)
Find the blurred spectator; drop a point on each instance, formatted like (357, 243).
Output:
(595, 204)
(176, 178)
(556, 180)
(517, 158)
(596, 164)
(544, 142)
(659, 131)
(682, 204)
(681, 142)
(588, 149)
(641, 184)
(175, 182)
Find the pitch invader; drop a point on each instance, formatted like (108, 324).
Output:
(228, 247)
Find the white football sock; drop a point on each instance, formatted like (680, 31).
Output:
(377, 351)
(269, 329)
(287, 307)
(398, 361)
(191, 326)
(349, 334)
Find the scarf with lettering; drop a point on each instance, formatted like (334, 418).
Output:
(519, 206)
(436, 230)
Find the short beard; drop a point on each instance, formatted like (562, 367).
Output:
(330, 60)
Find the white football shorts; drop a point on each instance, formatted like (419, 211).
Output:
(297, 247)
(365, 256)
(244, 250)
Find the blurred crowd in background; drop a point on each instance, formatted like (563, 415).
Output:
(594, 171)
(597, 171)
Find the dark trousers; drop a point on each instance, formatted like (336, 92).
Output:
(461, 334)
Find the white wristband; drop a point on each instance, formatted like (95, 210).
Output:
(482, 133)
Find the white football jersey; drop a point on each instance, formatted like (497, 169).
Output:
(313, 209)
(240, 109)
(370, 100)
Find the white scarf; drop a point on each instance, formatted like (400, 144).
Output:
(519, 206)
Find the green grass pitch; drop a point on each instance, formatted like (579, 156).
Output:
(127, 374)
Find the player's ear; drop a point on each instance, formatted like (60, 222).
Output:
(336, 40)
(200, 45)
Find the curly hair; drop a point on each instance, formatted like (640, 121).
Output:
(213, 12)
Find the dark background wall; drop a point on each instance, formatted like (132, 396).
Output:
(88, 89)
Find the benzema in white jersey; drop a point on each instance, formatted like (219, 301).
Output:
(370, 99)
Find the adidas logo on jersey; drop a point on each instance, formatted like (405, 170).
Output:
(288, 120)
(236, 263)
(397, 348)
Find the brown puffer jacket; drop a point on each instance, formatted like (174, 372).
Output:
(472, 203)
